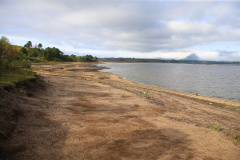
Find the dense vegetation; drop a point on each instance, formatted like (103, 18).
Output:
(38, 54)
(10, 57)
(15, 61)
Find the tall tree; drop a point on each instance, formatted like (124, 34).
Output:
(28, 44)
(39, 45)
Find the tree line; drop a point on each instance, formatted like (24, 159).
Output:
(12, 56)
(37, 53)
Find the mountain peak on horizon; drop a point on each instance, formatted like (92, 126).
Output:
(192, 57)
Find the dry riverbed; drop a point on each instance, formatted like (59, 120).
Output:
(77, 112)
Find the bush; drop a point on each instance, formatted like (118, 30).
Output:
(8, 55)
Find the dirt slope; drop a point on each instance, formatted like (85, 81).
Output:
(76, 112)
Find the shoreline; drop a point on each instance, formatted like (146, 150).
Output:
(238, 64)
(91, 72)
(78, 112)
(185, 94)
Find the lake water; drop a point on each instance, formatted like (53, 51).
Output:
(221, 81)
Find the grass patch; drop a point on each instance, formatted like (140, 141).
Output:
(128, 90)
(10, 77)
(147, 95)
(236, 107)
(228, 132)
(216, 127)
(236, 137)
(207, 127)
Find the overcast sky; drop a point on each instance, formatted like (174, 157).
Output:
(126, 28)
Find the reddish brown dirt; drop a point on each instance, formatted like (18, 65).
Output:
(75, 112)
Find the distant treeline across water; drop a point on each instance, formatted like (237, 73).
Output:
(132, 60)
(221, 81)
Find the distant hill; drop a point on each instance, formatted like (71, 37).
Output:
(191, 57)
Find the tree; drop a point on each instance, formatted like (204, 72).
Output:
(48, 56)
(56, 52)
(24, 51)
(95, 59)
(28, 44)
(73, 57)
(39, 45)
(33, 52)
(4, 42)
(48, 53)
(8, 55)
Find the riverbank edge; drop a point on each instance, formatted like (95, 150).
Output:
(224, 102)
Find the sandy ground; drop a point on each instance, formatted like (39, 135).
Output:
(76, 112)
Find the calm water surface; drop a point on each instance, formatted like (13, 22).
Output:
(221, 81)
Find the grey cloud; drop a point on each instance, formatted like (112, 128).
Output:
(229, 55)
(137, 26)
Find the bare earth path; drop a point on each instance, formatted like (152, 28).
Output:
(79, 113)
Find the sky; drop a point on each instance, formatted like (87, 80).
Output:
(127, 28)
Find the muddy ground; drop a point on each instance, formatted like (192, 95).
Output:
(76, 112)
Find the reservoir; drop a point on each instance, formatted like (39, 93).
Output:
(220, 81)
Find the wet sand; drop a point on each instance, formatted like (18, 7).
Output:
(77, 112)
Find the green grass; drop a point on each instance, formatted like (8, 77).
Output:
(128, 90)
(216, 127)
(207, 126)
(228, 132)
(11, 77)
(236, 137)
(147, 95)
(236, 107)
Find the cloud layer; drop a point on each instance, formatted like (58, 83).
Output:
(130, 28)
